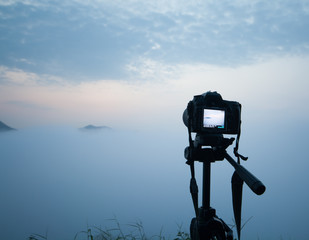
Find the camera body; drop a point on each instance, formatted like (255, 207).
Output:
(208, 113)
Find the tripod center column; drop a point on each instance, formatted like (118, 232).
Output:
(206, 185)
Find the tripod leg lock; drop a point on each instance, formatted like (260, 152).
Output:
(209, 226)
(209, 229)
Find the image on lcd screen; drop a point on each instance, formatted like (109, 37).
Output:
(213, 118)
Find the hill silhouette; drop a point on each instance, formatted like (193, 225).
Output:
(4, 127)
(93, 128)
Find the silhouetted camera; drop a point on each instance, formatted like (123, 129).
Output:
(209, 113)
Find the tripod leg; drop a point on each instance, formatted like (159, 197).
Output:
(194, 194)
(237, 184)
(194, 235)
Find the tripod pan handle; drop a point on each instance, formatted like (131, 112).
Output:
(253, 183)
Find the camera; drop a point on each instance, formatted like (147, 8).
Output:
(208, 113)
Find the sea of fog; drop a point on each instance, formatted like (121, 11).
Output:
(62, 180)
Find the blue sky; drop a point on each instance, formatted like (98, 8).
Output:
(133, 65)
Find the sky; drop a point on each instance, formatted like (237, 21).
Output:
(133, 66)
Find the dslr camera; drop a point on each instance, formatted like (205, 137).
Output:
(208, 113)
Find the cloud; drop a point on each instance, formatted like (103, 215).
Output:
(26, 105)
(15, 76)
(250, 20)
(156, 46)
(98, 39)
(24, 60)
(149, 69)
(158, 94)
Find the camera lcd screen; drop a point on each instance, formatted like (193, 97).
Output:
(213, 118)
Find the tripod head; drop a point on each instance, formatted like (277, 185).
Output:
(218, 145)
(217, 152)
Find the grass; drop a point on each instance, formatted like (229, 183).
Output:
(117, 233)
(136, 232)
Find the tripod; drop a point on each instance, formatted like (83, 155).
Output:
(207, 225)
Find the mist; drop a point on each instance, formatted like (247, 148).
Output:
(62, 180)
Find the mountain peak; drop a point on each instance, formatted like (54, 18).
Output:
(4, 127)
(92, 127)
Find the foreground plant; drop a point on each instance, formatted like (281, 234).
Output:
(117, 233)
